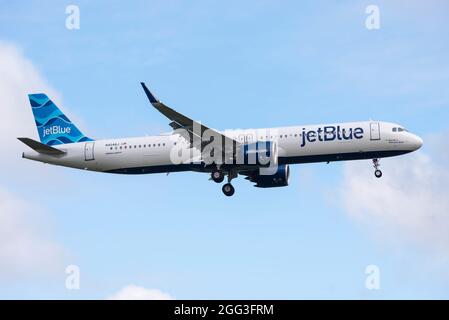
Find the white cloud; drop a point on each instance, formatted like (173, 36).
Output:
(133, 292)
(18, 77)
(409, 205)
(25, 249)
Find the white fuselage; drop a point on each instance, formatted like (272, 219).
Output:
(299, 144)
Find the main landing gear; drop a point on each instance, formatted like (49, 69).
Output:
(376, 166)
(218, 176)
(228, 189)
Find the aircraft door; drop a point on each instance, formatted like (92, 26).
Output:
(89, 151)
(374, 131)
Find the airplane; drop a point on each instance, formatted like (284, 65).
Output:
(263, 156)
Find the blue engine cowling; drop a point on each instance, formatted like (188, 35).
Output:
(279, 179)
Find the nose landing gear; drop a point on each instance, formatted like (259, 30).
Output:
(376, 166)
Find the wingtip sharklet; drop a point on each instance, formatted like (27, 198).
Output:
(150, 96)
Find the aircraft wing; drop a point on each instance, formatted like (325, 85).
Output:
(180, 121)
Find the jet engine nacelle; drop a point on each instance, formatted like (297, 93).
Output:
(278, 179)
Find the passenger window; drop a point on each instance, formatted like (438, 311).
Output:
(163, 144)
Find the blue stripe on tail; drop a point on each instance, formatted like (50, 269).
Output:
(52, 125)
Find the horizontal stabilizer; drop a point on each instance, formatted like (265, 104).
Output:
(40, 147)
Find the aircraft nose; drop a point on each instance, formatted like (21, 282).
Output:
(416, 142)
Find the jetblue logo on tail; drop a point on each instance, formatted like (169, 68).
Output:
(52, 125)
(330, 133)
(56, 130)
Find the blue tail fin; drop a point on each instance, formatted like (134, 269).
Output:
(53, 126)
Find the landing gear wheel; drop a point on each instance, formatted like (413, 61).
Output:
(217, 176)
(378, 173)
(228, 189)
(376, 166)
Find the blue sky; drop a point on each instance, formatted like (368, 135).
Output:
(231, 65)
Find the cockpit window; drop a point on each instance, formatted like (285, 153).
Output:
(395, 129)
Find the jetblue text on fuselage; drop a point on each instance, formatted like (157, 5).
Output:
(330, 133)
(56, 130)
